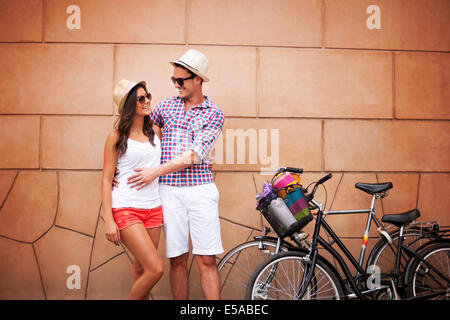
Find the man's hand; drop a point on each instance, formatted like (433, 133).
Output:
(143, 177)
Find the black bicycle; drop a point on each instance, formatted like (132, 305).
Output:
(296, 274)
(238, 264)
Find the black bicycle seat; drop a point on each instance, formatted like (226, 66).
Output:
(401, 218)
(374, 188)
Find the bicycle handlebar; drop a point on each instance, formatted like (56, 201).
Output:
(291, 169)
(322, 180)
(326, 178)
(299, 171)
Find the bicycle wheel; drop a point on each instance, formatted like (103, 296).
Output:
(383, 254)
(238, 264)
(282, 276)
(426, 282)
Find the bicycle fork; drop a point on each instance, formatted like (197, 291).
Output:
(272, 272)
(308, 274)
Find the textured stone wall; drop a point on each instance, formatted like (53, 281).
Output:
(354, 87)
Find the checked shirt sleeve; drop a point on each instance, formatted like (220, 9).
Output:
(204, 141)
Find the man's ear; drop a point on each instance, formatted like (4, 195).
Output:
(198, 80)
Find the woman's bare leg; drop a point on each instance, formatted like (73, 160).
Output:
(137, 240)
(155, 235)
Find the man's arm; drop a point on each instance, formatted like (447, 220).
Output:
(144, 176)
(204, 141)
(202, 145)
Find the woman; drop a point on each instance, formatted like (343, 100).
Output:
(133, 216)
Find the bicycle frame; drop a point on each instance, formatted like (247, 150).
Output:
(361, 274)
(317, 239)
(371, 216)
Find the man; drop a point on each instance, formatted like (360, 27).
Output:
(191, 124)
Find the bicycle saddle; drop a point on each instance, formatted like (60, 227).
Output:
(401, 218)
(373, 188)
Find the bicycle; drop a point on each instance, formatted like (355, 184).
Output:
(238, 264)
(416, 236)
(272, 278)
(243, 259)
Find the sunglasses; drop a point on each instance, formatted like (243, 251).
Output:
(180, 81)
(141, 99)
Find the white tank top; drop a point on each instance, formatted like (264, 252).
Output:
(137, 155)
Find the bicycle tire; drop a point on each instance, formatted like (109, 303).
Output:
(237, 265)
(288, 267)
(420, 278)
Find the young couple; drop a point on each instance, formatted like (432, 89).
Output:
(164, 179)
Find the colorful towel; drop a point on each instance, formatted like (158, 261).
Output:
(284, 179)
(288, 188)
(295, 201)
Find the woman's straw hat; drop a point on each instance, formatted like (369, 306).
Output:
(121, 92)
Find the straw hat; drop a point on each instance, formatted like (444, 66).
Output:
(122, 90)
(194, 61)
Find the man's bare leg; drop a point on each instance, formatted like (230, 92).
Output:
(209, 277)
(179, 277)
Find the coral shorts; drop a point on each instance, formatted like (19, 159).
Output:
(125, 217)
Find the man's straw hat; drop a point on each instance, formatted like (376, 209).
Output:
(194, 61)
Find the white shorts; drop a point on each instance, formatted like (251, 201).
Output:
(191, 210)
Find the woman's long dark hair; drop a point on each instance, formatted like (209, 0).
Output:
(124, 122)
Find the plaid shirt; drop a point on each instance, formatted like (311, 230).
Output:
(195, 130)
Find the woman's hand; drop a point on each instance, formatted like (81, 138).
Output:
(112, 232)
(115, 182)
(143, 177)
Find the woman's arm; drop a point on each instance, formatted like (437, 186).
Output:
(109, 165)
